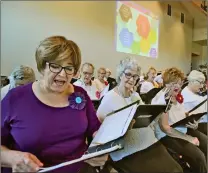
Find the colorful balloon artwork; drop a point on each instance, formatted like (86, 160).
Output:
(137, 31)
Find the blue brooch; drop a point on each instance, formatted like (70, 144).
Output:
(77, 100)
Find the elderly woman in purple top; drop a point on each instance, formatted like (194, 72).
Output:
(47, 122)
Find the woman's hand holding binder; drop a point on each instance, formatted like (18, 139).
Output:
(193, 125)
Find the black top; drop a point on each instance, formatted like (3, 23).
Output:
(112, 82)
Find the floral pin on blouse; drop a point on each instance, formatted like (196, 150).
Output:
(97, 93)
(179, 98)
(77, 101)
(106, 83)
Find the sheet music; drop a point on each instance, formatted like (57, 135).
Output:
(115, 126)
(201, 109)
(84, 157)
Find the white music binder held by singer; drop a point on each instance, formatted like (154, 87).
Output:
(108, 138)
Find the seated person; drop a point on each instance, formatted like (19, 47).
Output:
(4, 81)
(142, 151)
(87, 71)
(191, 97)
(21, 75)
(42, 123)
(188, 142)
(158, 79)
(149, 83)
(100, 81)
(110, 80)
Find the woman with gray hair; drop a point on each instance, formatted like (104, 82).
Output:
(141, 148)
(21, 75)
(196, 81)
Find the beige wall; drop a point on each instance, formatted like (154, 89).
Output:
(204, 55)
(200, 34)
(200, 56)
(92, 26)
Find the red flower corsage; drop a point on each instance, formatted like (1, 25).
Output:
(106, 83)
(179, 98)
(97, 94)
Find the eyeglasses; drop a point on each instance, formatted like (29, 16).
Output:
(86, 73)
(55, 68)
(174, 85)
(129, 76)
(201, 82)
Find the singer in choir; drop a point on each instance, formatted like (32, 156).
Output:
(149, 83)
(100, 81)
(87, 71)
(21, 75)
(110, 80)
(47, 122)
(142, 152)
(196, 81)
(188, 142)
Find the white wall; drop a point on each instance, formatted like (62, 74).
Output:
(91, 25)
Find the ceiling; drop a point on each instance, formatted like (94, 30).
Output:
(200, 18)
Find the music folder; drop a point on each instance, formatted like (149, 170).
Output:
(145, 114)
(188, 119)
(108, 138)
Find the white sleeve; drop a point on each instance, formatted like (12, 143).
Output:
(159, 99)
(4, 91)
(145, 88)
(77, 83)
(105, 107)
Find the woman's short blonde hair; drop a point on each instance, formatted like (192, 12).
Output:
(127, 63)
(101, 68)
(172, 75)
(56, 49)
(146, 75)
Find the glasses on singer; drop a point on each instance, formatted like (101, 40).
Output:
(129, 76)
(86, 73)
(56, 68)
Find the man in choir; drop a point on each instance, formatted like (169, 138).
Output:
(196, 80)
(110, 80)
(87, 71)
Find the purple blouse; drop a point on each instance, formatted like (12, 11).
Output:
(53, 135)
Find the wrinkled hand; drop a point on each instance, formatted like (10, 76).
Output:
(133, 121)
(98, 161)
(192, 125)
(24, 162)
